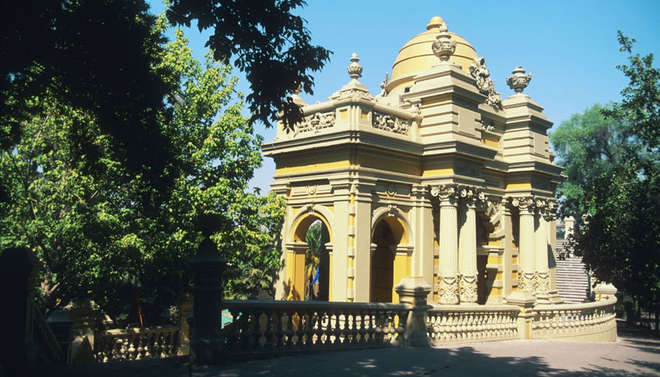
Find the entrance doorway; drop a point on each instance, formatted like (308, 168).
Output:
(382, 263)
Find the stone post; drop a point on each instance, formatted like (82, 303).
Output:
(526, 253)
(542, 283)
(413, 291)
(603, 291)
(467, 255)
(448, 269)
(185, 310)
(206, 341)
(526, 315)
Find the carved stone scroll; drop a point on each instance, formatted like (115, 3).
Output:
(484, 83)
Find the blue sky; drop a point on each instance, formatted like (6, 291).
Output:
(570, 47)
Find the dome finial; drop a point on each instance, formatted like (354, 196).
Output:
(355, 69)
(435, 22)
(518, 80)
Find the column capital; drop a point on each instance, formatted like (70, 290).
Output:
(468, 195)
(446, 194)
(525, 204)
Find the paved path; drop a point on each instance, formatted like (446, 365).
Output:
(632, 356)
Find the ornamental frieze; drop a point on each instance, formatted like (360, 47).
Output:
(391, 123)
(316, 122)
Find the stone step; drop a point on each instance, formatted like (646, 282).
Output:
(572, 280)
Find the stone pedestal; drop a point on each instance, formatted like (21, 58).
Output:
(604, 291)
(526, 303)
(413, 291)
(206, 341)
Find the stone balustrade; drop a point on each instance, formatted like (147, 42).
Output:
(281, 327)
(593, 321)
(135, 343)
(456, 323)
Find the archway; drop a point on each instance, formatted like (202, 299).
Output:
(387, 235)
(309, 265)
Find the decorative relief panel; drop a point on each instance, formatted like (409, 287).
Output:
(316, 122)
(391, 123)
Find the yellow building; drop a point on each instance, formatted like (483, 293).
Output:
(435, 178)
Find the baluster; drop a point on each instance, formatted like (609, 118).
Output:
(363, 330)
(139, 345)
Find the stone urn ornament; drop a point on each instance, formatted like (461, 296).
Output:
(518, 80)
(443, 46)
(355, 69)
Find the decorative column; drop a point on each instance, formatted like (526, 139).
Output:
(526, 250)
(448, 269)
(467, 248)
(542, 278)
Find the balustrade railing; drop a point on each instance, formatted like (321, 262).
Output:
(455, 323)
(276, 327)
(136, 343)
(588, 321)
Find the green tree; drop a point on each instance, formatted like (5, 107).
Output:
(99, 57)
(109, 235)
(611, 160)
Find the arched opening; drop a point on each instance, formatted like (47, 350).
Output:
(317, 260)
(309, 263)
(387, 235)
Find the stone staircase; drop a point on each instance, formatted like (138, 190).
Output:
(572, 278)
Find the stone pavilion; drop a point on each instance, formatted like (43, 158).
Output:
(436, 178)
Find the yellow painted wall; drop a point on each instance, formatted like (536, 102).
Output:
(330, 277)
(401, 270)
(433, 168)
(490, 140)
(309, 167)
(388, 163)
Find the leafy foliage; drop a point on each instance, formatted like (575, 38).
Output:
(102, 58)
(611, 158)
(271, 45)
(111, 235)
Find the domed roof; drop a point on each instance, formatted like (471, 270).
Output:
(417, 55)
